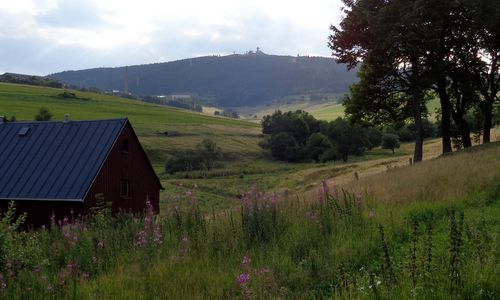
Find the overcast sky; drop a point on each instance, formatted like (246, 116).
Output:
(46, 36)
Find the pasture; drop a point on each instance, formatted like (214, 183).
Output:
(244, 162)
(407, 232)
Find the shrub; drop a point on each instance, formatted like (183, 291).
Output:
(43, 115)
(374, 136)
(209, 153)
(187, 160)
(390, 141)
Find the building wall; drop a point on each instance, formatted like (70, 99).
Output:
(125, 165)
(40, 212)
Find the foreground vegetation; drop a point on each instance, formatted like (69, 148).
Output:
(420, 237)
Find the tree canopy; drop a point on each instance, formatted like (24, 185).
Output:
(410, 49)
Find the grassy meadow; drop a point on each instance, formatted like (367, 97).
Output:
(404, 233)
(244, 162)
(372, 228)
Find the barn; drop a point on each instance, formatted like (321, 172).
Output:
(71, 166)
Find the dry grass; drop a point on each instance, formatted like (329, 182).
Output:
(440, 180)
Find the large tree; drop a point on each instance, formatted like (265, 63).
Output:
(408, 46)
(391, 38)
(487, 22)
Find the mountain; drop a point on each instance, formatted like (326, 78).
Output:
(229, 81)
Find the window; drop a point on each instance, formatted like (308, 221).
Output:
(124, 189)
(125, 146)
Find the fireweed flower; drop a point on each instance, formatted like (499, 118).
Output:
(243, 279)
(245, 261)
(148, 234)
(3, 285)
(358, 201)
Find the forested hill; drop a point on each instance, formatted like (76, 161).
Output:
(233, 80)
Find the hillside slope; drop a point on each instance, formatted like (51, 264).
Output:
(233, 80)
(371, 246)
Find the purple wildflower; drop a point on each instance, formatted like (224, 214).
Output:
(100, 244)
(157, 236)
(243, 279)
(359, 201)
(140, 239)
(3, 285)
(189, 193)
(245, 261)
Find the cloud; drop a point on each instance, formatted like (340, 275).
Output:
(72, 14)
(48, 36)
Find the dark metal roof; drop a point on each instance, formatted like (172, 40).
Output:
(55, 161)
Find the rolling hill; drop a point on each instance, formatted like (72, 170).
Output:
(227, 81)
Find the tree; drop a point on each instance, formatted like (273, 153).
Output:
(187, 160)
(390, 37)
(390, 141)
(284, 147)
(300, 124)
(374, 136)
(487, 20)
(317, 144)
(347, 138)
(209, 153)
(43, 115)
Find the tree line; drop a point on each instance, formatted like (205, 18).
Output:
(299, 137)
(413, 50)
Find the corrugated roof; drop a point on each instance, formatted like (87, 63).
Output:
(53, 160)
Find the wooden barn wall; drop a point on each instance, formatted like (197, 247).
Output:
(40, 212)
(130, 166)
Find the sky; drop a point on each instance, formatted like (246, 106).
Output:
(41, 37)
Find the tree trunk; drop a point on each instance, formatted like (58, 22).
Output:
(487, 114)
(465, 133)
(444, 99)
(417, 96)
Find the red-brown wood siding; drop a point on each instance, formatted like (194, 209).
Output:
(131, 166)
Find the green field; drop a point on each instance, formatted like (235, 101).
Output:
(327, 111)
(245, 162)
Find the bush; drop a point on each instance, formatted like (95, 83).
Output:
(282, 146)
(209, 153)
(205, 156)
(374, 136)
(390, 141)
(317, 144)
(43, 115)
(187, 160)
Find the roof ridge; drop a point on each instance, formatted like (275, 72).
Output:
(62, 121)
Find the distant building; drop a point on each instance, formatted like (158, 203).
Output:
(180, 97)
(58, 167)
